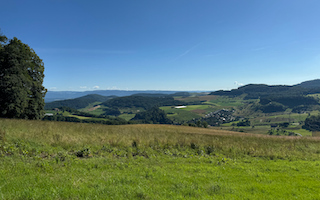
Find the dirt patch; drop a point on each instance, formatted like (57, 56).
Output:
(91, 109)
(198, 111)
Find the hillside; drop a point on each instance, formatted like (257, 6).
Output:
(310, 84)
(58, 160)
(145, 102)
(78, 103)
(255, 91)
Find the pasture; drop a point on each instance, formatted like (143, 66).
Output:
(59, 160)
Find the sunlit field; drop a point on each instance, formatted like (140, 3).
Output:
(58, 160)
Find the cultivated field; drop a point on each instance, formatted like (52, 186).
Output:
(59, 160)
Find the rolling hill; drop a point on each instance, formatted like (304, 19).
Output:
(78, 103)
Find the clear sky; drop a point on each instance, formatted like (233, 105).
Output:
(168, 44)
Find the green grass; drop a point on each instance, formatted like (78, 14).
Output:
(303, 132)
(186, 114)
(89, 106)
(226, 102)
(127, 116)
(194, 107)
(179, 115)
(59, 160)
(230, 123)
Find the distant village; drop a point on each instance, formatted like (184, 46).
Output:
(217, 117)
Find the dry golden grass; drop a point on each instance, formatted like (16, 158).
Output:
(74, 135)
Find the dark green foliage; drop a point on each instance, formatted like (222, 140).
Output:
(271, 107)
(21, 79)
(281, 132)
(310, 84)
(205, 124)
(83, 153)
(284, 124)
(153, 116)
(301, 108)
(192, 124)
(78, 103)
(140, 102)
(111, 111)
(312, 123)
(290, 101)
(244, 123)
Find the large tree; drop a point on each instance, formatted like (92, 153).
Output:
(21, 78)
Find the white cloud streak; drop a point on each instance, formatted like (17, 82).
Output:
(186, 52)
(238, 84)
(96, 87)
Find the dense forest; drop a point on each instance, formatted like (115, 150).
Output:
(152, 116)
(281, 103)
(312, 123)
(141, 102)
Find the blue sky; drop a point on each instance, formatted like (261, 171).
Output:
(168, 44)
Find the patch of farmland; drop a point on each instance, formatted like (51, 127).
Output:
(94, 108)
(179, 115)
(90, 106)
(197, 98)
(199, 111)
(127, 116)
(194, 107)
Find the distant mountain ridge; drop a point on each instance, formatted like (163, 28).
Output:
(254, 91)
(310, 84)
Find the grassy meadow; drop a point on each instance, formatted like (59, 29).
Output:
(60, 160)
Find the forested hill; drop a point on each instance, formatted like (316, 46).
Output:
(310, 84)
(140, 102)
(78, 103)
(254, 91)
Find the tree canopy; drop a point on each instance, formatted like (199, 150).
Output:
(140, 102)
(312, 123)
(21, 78)
(153, 115)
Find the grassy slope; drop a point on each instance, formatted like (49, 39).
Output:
(211, 104)
(127, 116)
(166, 162)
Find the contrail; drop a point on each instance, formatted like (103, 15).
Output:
(188, 51)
